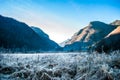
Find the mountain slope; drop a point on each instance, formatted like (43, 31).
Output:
(45, 36)
(110, 42)
(15, 34)
(39, 32)
(89, 35)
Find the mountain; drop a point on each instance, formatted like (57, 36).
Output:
(18, 35)
(89, 35)
(62, 44)
(110, 43)
(116, 23)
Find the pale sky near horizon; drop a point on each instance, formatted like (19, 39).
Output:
(60, 19)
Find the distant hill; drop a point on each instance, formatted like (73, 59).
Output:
(87, 36)
(18, 35)
(115, 23)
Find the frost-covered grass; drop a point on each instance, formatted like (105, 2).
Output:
(60, 66)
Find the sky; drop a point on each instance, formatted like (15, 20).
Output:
(60, 19)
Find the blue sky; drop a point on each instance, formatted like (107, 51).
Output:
(61, 18)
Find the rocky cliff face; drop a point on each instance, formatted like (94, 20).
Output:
(18, 35)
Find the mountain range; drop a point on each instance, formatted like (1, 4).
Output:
(97, 36)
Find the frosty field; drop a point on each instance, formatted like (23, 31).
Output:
(60, 66)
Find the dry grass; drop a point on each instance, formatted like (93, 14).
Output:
(60, 66)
